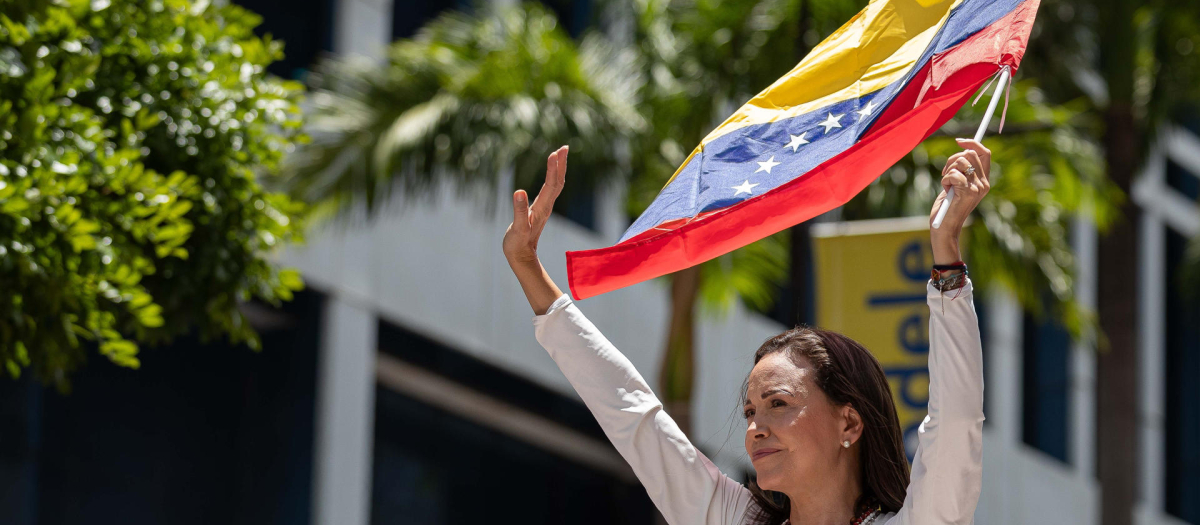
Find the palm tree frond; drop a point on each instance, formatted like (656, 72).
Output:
(471, 95)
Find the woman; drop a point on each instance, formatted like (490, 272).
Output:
(821, 426)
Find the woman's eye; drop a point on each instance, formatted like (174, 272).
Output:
(748, 413)
(777, 403)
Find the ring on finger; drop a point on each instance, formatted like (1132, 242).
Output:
(970, 170)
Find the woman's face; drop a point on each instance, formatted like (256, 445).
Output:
(793, 432)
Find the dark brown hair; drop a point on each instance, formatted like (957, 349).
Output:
(848, 375)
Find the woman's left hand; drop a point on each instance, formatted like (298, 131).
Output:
(967, 172)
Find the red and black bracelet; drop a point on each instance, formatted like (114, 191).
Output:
(951, 282)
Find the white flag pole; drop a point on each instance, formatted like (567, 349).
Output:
(987, 119)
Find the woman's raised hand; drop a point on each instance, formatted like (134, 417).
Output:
(521, 239)
(968, 173)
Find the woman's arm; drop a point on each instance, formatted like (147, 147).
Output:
(947, 471)
(685, 486)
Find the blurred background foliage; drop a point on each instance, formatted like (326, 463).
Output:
(131, 134)
(470, 98)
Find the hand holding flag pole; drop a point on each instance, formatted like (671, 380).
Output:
(987, 119)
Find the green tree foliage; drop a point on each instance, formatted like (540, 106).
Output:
(131, 133)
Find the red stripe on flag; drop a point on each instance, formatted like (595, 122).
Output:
(833, 183)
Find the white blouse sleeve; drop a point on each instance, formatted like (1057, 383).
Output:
(687, 488)
(947, 471)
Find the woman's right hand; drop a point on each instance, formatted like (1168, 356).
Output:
(521, 238)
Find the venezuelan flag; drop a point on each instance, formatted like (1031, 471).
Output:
(859, 102)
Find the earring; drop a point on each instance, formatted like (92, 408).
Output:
(846, 444)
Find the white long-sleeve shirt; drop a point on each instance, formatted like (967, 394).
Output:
(688, 489)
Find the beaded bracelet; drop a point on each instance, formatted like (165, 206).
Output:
(952, 282)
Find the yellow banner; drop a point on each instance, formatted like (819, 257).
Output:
(870, 285)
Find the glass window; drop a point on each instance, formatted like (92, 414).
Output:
(1182, 419)
(408, 15)
(304, 26)
(1046, 350)
(1182, 181)
(431, 465)
(573, 15)
(985, 332)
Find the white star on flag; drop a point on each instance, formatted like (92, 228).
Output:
(831, 122)
(866, 110)
(744, 188)
(766, 166)
(797, 141)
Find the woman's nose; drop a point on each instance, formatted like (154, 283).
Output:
(756, 431)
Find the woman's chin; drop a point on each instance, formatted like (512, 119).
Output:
(767, 480)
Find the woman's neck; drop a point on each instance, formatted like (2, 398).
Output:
(828, 501)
